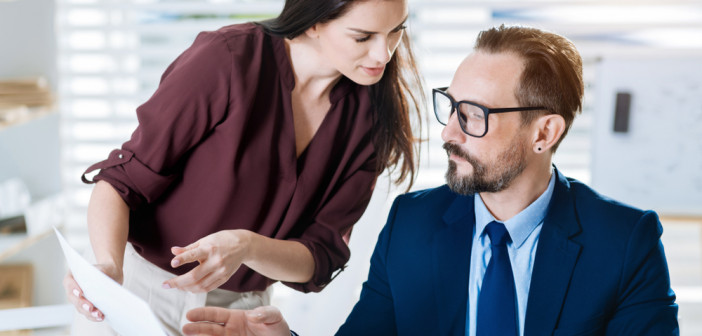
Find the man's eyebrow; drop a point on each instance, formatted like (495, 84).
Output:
(366, 32)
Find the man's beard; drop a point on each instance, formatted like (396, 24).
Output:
(486, 177)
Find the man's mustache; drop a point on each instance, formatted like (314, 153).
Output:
(453, 149)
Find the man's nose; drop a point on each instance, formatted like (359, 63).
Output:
(452, 132)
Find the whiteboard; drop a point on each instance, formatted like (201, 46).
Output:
(657, 163)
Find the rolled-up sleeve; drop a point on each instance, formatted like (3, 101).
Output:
(328, 236)
(192, 98)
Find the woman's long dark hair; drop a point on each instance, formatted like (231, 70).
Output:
(397, 93)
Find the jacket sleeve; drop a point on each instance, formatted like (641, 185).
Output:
(328, 236)
(374, 313)
(646, 303)
(192, 98)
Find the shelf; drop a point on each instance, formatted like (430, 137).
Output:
(11, 244)
(23, 114)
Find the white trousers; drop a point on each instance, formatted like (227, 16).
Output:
(144, 279)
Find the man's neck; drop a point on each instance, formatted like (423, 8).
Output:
(523, 191)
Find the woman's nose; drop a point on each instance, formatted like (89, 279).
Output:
(381, 51)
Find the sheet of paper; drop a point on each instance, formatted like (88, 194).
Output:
(127, 314)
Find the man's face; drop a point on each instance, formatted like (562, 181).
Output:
(490, 163)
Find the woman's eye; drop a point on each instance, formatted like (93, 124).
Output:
(399, 29)
(363, 39)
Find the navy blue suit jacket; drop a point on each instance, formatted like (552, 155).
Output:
(600, 269)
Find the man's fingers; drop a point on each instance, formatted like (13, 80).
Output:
(203, 328)
(265, 315)
(211, 314)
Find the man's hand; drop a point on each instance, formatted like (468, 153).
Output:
(219, 255)
(215, 321)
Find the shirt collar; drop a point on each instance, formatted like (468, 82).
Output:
(521, 225)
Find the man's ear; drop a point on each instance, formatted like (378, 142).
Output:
(547, 130)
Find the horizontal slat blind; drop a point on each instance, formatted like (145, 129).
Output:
(111, 57)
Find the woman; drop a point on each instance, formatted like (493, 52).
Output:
(257, 153)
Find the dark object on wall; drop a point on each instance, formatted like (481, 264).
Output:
(621, 112)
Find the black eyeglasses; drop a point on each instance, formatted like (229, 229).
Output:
(472, 117)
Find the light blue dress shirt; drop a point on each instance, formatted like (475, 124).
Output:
(524, 229)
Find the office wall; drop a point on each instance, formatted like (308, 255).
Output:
(27, 42)
(651, 156)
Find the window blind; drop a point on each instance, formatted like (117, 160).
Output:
(111, 57)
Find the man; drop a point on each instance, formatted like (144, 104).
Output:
(509, 246)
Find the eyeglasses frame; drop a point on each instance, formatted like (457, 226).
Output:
(486, 110)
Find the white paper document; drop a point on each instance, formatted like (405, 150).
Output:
(127, 314)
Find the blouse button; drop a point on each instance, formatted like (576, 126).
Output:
(120, 156)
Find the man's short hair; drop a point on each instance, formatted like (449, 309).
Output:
(553, 70)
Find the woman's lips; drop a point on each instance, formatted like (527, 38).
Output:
(373, 71)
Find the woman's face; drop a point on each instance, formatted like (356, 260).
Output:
(361, 42)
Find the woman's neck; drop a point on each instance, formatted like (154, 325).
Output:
(314, 79)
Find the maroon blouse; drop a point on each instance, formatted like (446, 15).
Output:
(215, 150)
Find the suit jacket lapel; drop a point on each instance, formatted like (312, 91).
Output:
(451, 248)
(555, 260)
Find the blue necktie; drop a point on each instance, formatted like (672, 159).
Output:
(497, 303)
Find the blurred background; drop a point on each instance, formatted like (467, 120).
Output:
(72, 73)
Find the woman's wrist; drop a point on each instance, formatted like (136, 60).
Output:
(247, 241)
(111, 270)
(108, 258)
(274, 258)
